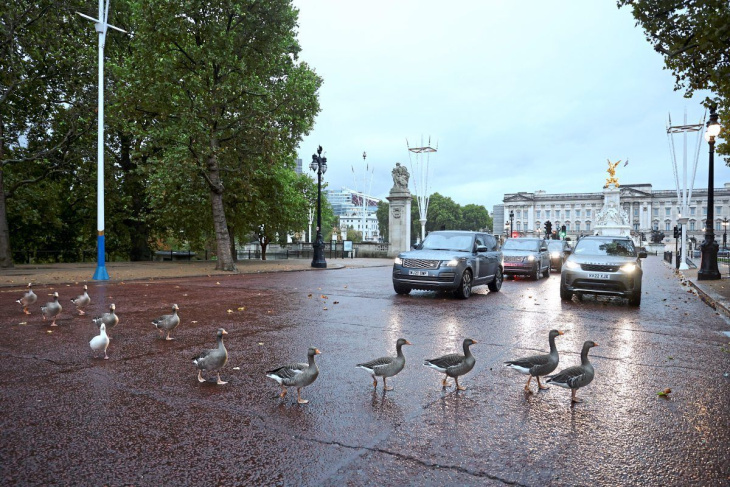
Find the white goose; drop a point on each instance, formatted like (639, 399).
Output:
(100, 342)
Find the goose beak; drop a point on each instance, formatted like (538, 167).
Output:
(474, 342)
(561, 332)
(595, 344)
(316, 351)
(408, 343)
(225, 332)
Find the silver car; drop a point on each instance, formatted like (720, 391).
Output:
(603, 265)
(450, 261)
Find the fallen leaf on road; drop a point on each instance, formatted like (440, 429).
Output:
(664, 393)
(49, 331)
(236, 368)
(335, 302)
(325, 307)
(218, 283)
(23, 323)
(261, 343)
(241, 308)
(324, 297)
(229, 311)
(309, 295)
(193, 322)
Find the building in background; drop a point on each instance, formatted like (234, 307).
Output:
(357, 211)
(647, 209)
(498, 222)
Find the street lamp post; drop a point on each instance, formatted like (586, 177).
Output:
(724, 233)
(511, 222)
(319, 164)
(708, 268)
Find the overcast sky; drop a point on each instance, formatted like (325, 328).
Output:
(519, 96)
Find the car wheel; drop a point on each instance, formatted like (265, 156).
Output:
(535, 275)
(547, 271)
(496, 283)
(635, 298)
(565, 295)
(464, 289)
(559, 267)
(401, 289)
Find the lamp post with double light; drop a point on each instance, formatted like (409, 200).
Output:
(319, 164)
(708, 267)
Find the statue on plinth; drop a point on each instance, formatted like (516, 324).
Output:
(400, 178)
(612, 179)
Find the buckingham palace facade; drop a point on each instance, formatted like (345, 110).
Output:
(648, 210)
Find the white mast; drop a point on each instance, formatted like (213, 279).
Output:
(101, 26)
(684, 192)
(420, 170)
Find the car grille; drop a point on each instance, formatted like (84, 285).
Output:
(599, 267)
(421, 264)
(513, 258)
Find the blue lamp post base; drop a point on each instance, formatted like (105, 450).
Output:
(101, 274)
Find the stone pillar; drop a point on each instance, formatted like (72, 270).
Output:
(399, 221)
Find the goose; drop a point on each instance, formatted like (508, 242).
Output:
(167, 322)
(296, 375)
(82, 301)
(52, 309)
(386, 366)
(454, 365)
(213, 359)
(537, 365)
(100, 342)
(28, 298)
(578, 376)
(109, 319)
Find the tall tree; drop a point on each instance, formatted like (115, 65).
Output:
(223, 83)
(475, 217)
(694, 38)
(383, 216)
(44, 99)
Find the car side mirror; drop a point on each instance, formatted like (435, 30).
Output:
(481, 248)
(642, 255)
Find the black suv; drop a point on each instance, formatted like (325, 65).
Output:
(559, 251)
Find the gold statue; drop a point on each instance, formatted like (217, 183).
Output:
(612, 173)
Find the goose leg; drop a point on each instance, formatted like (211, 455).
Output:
(25, 310)
(82, 312)
(527, 386)
(219, 381)
(375, 382)
(443, 383)
(540, 386)
(168, 336)
(200, 376)
(385, 386)
(299, 397)
(283, 392)
(573, 398)
(54, 322)
(461, 388)
(106, 357)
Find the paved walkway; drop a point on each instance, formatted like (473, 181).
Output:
(43, 274)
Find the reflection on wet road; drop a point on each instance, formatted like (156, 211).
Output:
(142, 418)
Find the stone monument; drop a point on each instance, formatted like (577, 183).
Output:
(399, 217)
(611, 219)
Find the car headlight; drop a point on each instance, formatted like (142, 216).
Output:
(530, 258)
(398, 261)
(555, 255)
(572, 265)
(450, 263)
(628, 267)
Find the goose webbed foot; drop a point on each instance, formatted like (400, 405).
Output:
(444, 384)
(200, 376)
(299, 398)
(283, 393)
(385, 386)
(458, 387)
(219, 381)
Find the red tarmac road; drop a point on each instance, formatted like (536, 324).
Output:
(142, 418)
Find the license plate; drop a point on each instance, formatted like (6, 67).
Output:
(417, 273)
(598, 276)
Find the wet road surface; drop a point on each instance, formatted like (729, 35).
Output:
(142, 418)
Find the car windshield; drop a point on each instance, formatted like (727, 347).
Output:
(448, 241)
(531, 245)
(620, 248)
(556, 246)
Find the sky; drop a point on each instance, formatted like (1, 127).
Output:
(518, 96)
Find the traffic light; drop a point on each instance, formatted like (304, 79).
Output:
(676, 231)
(563, 231)
(548, 228)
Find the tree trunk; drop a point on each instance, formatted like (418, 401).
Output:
(133, 186)
(6, 255)
(222, 238)
(234, 254)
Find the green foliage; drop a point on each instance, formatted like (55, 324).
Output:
(383, 217)
(694, 38)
